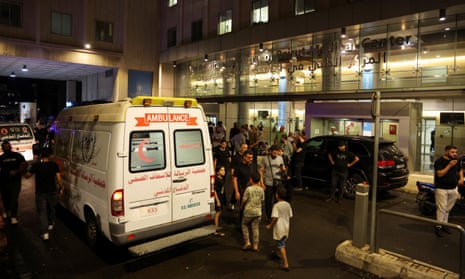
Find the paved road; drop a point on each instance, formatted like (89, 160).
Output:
(316, 230)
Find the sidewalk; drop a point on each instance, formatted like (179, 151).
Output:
(411, 186)
(387, 264)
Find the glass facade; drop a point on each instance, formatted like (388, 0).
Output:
(417, 54)
(400, 56)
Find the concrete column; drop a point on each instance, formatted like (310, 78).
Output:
(71, 91)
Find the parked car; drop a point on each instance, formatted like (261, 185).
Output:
(392, 164)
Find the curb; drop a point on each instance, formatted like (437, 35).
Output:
(386, 264)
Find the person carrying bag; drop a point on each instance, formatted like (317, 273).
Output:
(271, 168)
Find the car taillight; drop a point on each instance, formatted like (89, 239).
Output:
(117, 203)
(212, 186)
(386, 164)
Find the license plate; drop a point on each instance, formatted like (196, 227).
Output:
(401, 166)
(149, 211)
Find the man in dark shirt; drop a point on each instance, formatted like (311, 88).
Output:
(298, 159)
(222, 156)
(48, 184)
(12, 166)
(236, 159)
(241, 176)
(242, 172)
(448, 174)
(341, 160)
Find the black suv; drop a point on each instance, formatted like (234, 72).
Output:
(392, 164)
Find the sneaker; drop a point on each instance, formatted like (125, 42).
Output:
(14, 221)
(50, 227)
(45, 236)
(329, 199)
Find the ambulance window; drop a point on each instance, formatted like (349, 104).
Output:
(147, 151)
(189, 148)
(62, 143)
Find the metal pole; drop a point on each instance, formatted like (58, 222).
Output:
(375, 114)
(361, 215)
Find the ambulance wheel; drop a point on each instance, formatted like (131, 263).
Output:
(91, 229)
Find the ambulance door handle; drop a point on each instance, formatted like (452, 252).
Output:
(122, 154)
(182, 179)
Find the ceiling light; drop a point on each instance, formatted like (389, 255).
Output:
(12, 74)
(24, 69)
(174, 64)
(442, 14)
(343, 32)
(205, 58)
(260, 47)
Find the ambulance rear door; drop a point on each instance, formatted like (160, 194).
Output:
(192, 163)
(147, 173)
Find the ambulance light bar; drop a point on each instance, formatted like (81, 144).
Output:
(147, 101)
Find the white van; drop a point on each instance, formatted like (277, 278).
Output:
(138, 170)
(20, 137)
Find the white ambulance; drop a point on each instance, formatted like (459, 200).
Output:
(138, 171)
(20, 137)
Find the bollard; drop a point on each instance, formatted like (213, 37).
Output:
(361, 215)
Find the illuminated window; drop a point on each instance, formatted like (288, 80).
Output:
(260, 11)
(61, 24)
(104, 31)
(172, 3)
(304, 6)
(225, 22)
(10, 14)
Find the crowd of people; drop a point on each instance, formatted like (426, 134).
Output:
(261, 181)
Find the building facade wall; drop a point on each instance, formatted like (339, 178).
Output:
(134, 45)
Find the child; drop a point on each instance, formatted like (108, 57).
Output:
(252, 202)
(220, 197)
(280, 219)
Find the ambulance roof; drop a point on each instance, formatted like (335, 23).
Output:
(116, 112)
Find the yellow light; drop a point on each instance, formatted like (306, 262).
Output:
(163, 101)
(147, 102)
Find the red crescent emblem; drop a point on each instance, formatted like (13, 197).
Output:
(140, 152)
